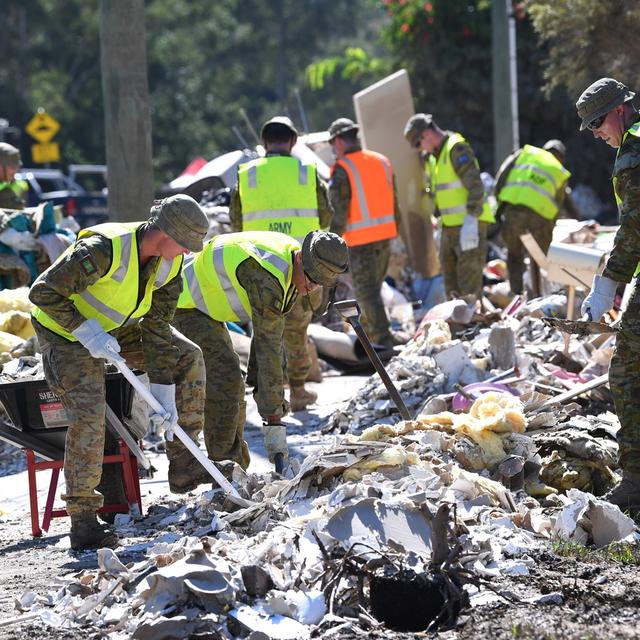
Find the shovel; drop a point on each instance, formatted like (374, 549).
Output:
(150, 399)
(350, 311)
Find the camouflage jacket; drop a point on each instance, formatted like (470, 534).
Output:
(625, 254)
(269, 306)
(86, 264)
(340, 197)
(325, 213)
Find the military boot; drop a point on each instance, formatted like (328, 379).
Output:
(301, 398)
(186, 474)
(88, 533)
(627, 494)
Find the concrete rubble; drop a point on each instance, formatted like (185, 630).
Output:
(518, 470)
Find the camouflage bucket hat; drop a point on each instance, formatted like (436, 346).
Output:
(182, 219)
(281, 120)
(416, 125)
(9, 156)
(600, 98)
(324, 257)
(341, 126)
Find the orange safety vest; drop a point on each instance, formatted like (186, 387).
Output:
(371, 209)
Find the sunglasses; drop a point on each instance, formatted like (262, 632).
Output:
(597, 123)
(417, 143)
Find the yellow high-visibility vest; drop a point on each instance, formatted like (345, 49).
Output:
(451, 196)
(210, 283)
(278, 193)
(534, 181)
(113, 299)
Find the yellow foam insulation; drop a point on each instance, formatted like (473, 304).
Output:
(8, 341)
(393, 456)
(18, 323)
(438, 332)
(15, 300)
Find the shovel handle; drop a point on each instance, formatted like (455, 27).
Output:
(151, 400)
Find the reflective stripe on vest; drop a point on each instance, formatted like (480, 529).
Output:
(534, 181)
(371, 207)
(113, 299)
(278, 193)
(451, 196)
(210, 283)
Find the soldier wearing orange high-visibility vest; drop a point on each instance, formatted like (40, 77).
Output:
(366, 214)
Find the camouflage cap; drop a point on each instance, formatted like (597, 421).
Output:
(9, 156)
(281, 120)
(416, 124)
(182, 219)
(324, 257)
(600, 98)
(555, 145)
(341, 126)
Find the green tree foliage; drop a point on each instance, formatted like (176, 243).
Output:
(587, 39)
(206, 61)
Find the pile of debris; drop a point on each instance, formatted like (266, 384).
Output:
(393, 511)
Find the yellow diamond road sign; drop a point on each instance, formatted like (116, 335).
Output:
(42, 126)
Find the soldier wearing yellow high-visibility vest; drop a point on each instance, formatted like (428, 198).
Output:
(458, 192)
(112, 296)
(281, 193)
(606, 109)
(257, 276)
(12, 192)
(530, 189)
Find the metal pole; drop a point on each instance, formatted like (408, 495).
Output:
(513, 75)
(245, 117)
(303, 114)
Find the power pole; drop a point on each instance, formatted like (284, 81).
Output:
(506, 132)
(125, 95)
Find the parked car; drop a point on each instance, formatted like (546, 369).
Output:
(52, 185)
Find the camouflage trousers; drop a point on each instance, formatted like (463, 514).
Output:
(225, 408)
(462, 270)
(368, 267)
(79, 380)
(295, 336)
(624, 381)
(516, 221)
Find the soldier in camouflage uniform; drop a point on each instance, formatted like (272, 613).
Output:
(257, 276)
(12, 191)
(460, 200)
(288, 213)
(530, 188)
(92, 306)
(363, 196)
(605, 108)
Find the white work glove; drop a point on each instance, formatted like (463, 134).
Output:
(18, 240)
(469, 233)
(275, 440)
(97, 341)
(600, 298)
(165, 394)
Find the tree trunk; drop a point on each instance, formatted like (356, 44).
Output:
(126, 109)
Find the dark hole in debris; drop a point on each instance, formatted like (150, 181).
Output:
(406, 601)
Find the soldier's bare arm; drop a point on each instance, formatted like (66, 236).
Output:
(89, 260)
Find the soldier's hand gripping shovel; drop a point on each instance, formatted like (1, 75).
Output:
(150, 399)
(350, 311)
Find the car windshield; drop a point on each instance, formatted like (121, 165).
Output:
(52, 184)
